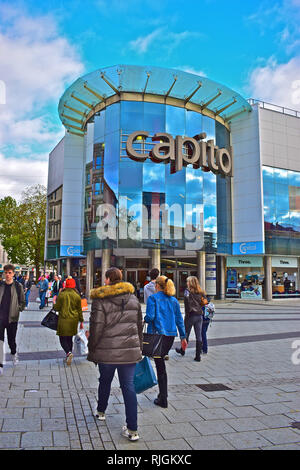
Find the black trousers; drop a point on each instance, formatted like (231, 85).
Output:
(66, 343)
(162, 377)
(11, 329)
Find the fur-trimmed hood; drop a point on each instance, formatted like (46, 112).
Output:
(112, 290)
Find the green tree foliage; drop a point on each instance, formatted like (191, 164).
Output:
(22, 226)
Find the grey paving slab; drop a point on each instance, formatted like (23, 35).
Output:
(280, 436)
(31, 439)
(244, 411)
(214, 427)
(45, 404)
(212, 442)
(21, 425)
(245, 424)
(170, 444)
(246, 440)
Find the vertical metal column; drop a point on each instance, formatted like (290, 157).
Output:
(106, 254)
(89, 272)
(201, 268)
(155, 258)
(221, 277)
(268, 277)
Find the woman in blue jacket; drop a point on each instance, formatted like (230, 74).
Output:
(164, 317)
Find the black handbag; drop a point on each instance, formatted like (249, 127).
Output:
(152, 345)
(50, 320)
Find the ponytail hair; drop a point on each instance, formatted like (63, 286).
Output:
(166, 285)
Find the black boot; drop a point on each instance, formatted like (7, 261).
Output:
(198, 351)
(180, 351)
(162, 399)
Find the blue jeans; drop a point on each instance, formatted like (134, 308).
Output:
(205, 325)
(27, 297)
(126, 376)
(42, 297)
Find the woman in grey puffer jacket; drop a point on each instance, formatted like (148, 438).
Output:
(115, 342)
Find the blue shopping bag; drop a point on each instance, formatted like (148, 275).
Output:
(144, 376)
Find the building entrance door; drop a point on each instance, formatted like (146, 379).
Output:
(182, 277)
(131, 277)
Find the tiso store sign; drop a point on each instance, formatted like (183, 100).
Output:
(181, 151)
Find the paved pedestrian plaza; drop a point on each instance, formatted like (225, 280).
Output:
(244, 394)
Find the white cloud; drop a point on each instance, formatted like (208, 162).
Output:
(277, 83)
(18, 173)
(36, 65)
(142, 43)
(187, 68)
(163, 39)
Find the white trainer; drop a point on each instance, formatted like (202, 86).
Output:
(99, 415)
(15, 359)
(131, 435)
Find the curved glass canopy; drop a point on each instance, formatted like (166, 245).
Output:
(96, 90)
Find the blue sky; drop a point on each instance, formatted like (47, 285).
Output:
(252, 47)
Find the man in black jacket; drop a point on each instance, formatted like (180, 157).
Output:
(12, 302)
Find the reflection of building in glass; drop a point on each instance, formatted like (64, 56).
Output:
(253, 215)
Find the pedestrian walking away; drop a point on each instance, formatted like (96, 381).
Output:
(57, 287)
(149, 289)
(68, 306)
(12, 302)
(194, 300)
(164, 317)
(27, 289)
(115, 343)
(43, 286)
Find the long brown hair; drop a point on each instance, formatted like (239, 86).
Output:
(194, 286)
(166, 285)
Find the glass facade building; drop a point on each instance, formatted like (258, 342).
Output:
(281, 211)
(134, 195)
(129, 184)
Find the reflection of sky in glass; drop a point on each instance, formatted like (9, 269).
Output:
(132, 116)
(279, 187)
(175, 120)
(154, 117)
(154, 177)
(111, 161)
(112, 118)
(99, 127)
(194, 185)
(193, 123)
(209, 126)
(132, 181)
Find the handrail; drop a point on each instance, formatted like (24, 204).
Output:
(274, 107)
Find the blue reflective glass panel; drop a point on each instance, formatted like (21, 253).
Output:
(175, 120)
(130, 177)
(99, 127)
(154, 177)
(154, 117)
(111, 162)
(194, 123)
(112, 118)
(132, 116)
(209, 126)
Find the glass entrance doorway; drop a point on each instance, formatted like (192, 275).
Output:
(179, 278)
